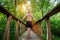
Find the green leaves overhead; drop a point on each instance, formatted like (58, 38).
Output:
(40, 7)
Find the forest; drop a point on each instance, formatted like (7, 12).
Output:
(39, 8)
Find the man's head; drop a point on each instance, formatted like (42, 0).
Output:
(28, 11)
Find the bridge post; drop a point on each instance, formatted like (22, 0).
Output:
(23, 28)
(16, 31)
(40, 30)
(7, 30)
(20, 27)
(49, 37)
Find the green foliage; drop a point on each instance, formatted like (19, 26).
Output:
(2, 25)
(9, 5)
(12, 29)
(40, 5)
(55, 25)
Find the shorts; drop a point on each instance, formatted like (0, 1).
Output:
(28, 24)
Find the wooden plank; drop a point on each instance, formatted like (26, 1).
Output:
(22, 28)
(7, 30)
(41, 32)
(49, 36)
(16, 31)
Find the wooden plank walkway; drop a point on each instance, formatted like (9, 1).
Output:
(33, 36)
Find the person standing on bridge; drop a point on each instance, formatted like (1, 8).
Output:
(29, 17)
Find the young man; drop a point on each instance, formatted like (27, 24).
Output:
(29, 17)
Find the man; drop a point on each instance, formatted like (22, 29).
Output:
(29, 17)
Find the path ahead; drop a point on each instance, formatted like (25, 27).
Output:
(33, 36)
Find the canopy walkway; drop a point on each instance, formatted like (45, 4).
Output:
(36, 30)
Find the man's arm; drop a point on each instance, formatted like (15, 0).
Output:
(24, 17)
(34, 18)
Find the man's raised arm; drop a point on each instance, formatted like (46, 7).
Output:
(24, 17)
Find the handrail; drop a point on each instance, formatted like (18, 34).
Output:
(52, 12)
(5, 11)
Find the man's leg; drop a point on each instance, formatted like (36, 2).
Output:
(29, 30)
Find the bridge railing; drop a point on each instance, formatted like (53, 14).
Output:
(54, 11)
(9, 18)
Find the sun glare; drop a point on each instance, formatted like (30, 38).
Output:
(24, 7)
(18, 7)
(28, 3)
